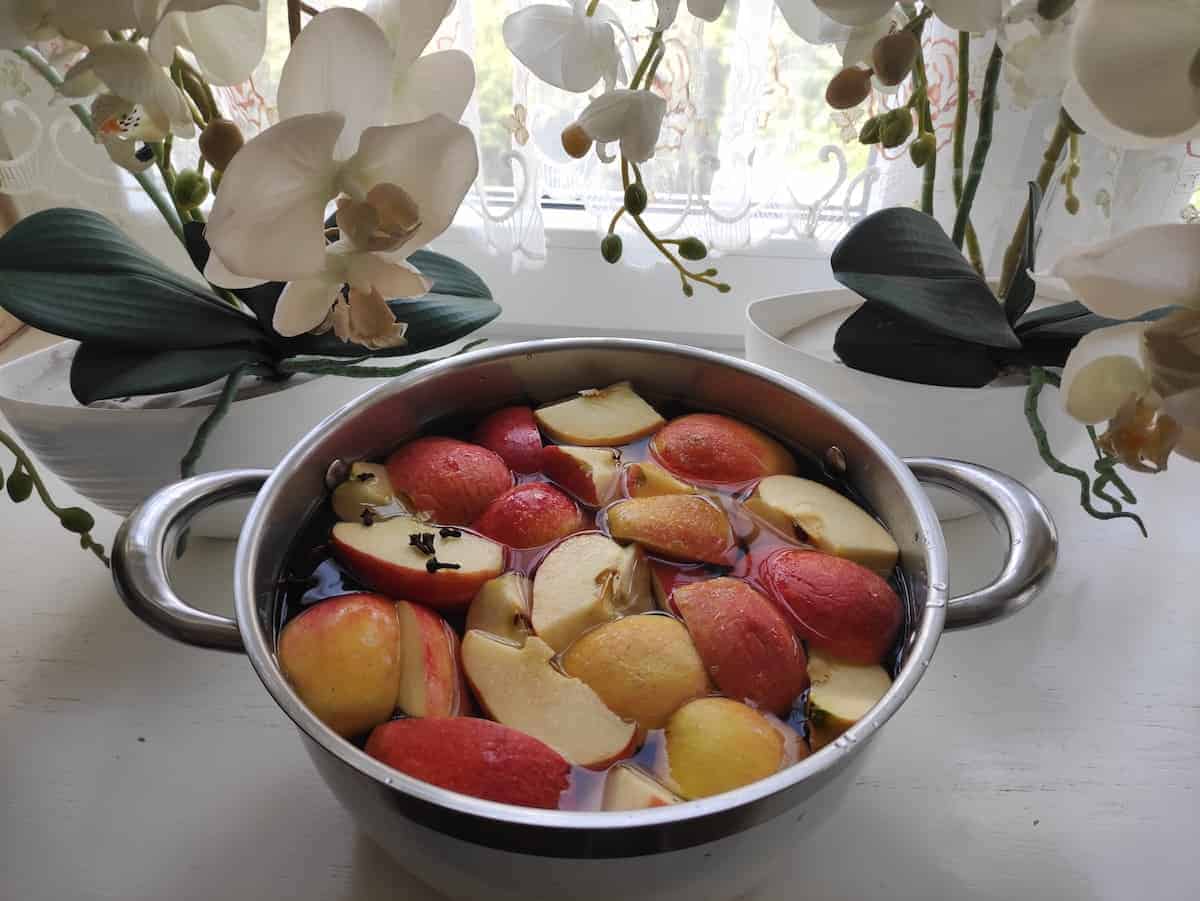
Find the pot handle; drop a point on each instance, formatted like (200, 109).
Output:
(1032, 538)
(151, 532)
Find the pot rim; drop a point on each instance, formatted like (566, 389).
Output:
(825, 761)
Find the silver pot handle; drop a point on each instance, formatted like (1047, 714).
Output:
(1032, 538)
(151, 532)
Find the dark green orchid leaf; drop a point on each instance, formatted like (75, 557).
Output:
(901, 259)
(874, 339)
(74, 273)
(458, 304)
(1021, 291)
(103, 371)
(1050, 334)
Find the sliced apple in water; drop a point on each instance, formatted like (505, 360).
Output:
(816, 514)
(841, 695)
(612, 415)
(715, 745)
(406, 558)
(502, 607)
(648, 479)
(629, 787)
(587, 580)
(589, 473)
(366, 488)
(431, 680)
(680, 527)
(519, 687)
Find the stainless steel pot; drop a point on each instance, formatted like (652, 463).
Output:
(470, 848)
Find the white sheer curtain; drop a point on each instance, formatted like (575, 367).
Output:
(750, 155)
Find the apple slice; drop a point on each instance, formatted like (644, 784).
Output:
(512, 433)
(818, 515)
(431, 680)
(841, 695)
(343, 658)
(612, 415)
(502, 607)
(519, 687)
(366, 488)
(475, 757)
(629, 787)
(587, 580)
(707, 447)
(643, 667)
(589, 473)
(392, 556)
(530, 515)
(680, 527)
(715, 745)
(748, 646)
(648, 479)
(448, 480)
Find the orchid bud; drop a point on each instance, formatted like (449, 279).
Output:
(20, 486)
(869, 134)
(894, 55)
(191, 189)
(636, 198)
(610, 248)
(219, 141)
(922, 150)
(848, 88)
(575, 141)
(1053, 9)
(214, 180)
(77, 520)
(692, 249)
(895, 128)
(1072, 204)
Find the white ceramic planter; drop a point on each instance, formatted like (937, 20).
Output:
(116, 458)
(793, 334)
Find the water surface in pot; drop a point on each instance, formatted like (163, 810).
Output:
(312, 574)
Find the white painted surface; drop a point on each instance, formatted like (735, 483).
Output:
(1052, 756)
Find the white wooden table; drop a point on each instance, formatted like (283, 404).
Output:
(1055, 755)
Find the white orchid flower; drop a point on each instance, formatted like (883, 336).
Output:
(632, 118)
(565, 47)
(969, 15)
(136, 100)
(1133, 66)
(402, 184)
(226, 38)
(24, 22)
(1036, 54)
(1136, 373)
(849, 12)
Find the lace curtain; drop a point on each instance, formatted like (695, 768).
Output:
(749, 151)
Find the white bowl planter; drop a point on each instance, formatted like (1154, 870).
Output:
(793, 334)
(118, 457)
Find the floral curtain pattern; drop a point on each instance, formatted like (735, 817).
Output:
(749, 151)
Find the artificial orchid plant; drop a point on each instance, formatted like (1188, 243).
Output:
(314, 245)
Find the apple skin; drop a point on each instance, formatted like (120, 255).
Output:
(747, 645)
(530, 515)
(590, 473)
(715, 745)
(475, 757)
(449, 480)
(680, 527)
(343, 658)
(431, 682)
(717, 450)
(512, 433)
(835, 604)
(447, 590)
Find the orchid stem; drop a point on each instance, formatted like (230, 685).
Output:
(960, 135)
(655, 46)
(591, 8)
(1054, 151)
(38, 63)
(25, 464)
(187, 466)
(924, 121)
(293, 13)
(983, 142)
